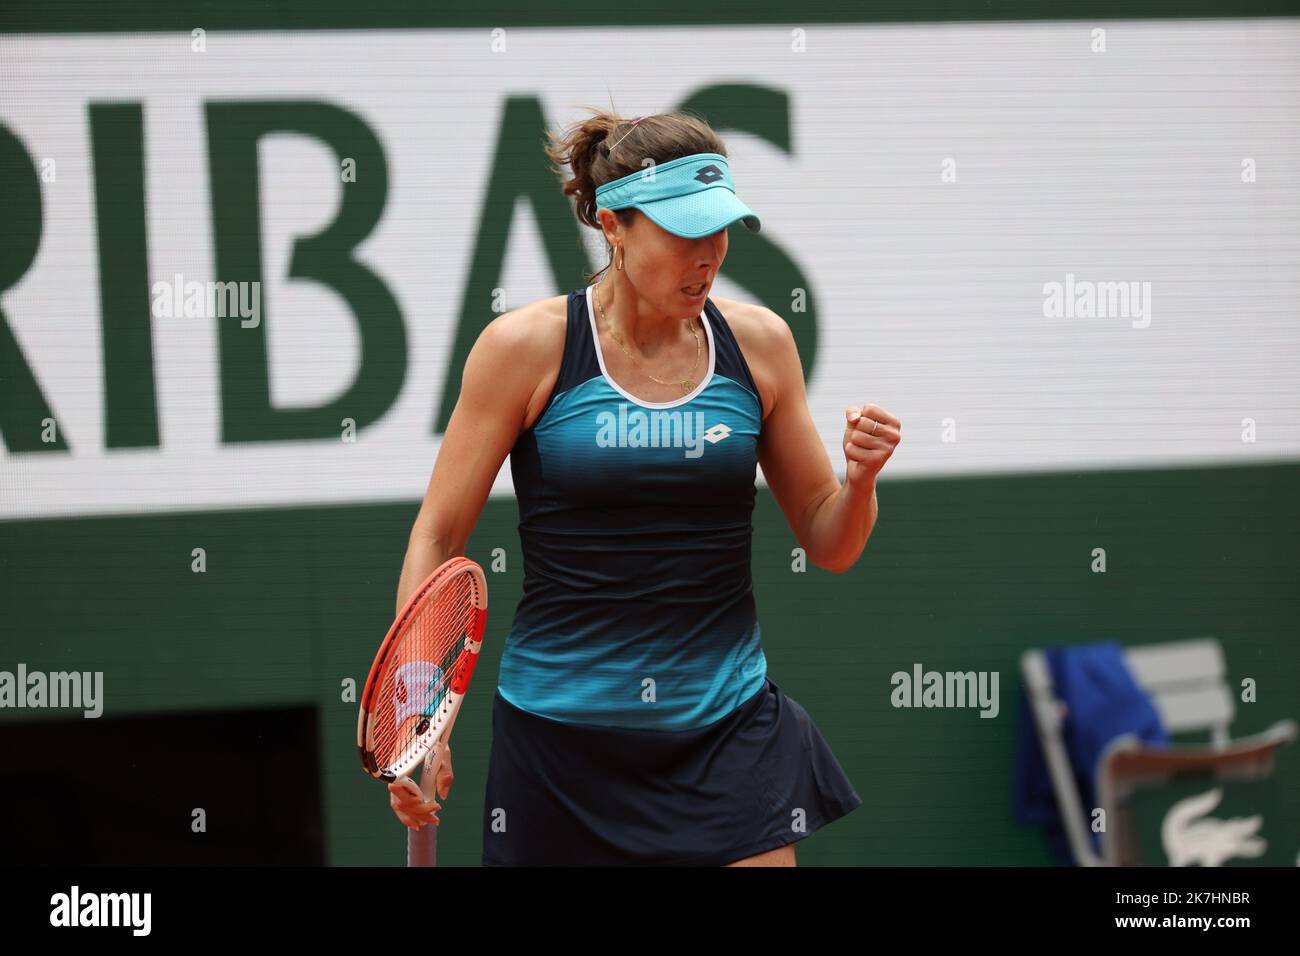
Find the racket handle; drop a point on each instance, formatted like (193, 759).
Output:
(422, 846)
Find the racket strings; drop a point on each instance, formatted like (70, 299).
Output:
(422, 668)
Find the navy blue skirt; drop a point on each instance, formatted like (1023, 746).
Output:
(562, 794)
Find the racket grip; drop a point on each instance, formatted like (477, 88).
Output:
(422, 846)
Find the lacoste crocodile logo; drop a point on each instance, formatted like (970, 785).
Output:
(1191, 837)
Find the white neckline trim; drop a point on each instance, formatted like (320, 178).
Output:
(600, 358)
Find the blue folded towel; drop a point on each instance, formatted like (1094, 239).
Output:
(1104, 702)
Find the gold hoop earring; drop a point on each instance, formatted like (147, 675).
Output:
(617, 262)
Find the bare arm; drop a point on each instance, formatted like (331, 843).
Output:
(501, 373)
(831, 520)
(496, 386)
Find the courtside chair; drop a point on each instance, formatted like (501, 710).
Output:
(1187, 684)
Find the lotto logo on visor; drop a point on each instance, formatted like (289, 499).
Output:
(680, 177)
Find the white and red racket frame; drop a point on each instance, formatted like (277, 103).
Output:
(428, 746)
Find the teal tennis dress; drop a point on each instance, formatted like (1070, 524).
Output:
(634, 722)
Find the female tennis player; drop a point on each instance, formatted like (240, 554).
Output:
(634, 720)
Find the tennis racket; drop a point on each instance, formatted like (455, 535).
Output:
(417, 683)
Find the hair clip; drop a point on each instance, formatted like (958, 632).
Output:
(627, 134)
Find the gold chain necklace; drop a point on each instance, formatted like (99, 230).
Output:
(687, 384)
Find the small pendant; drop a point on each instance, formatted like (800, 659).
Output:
(687, 386)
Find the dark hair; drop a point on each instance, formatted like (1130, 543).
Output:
(605, 147)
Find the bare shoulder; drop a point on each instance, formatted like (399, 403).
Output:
(533, 326)
(764, 339)
(527, 345)
(760, 332)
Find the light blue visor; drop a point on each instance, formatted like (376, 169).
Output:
(691, 197)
